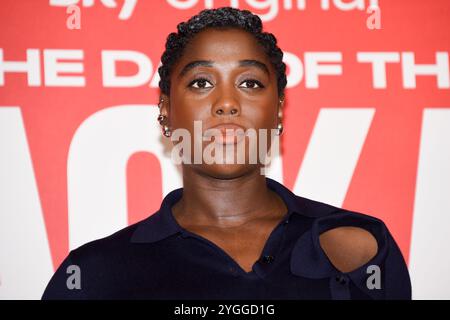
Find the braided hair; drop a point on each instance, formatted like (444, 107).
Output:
(225, 17)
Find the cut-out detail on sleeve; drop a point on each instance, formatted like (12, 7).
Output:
(309, 260)
(348, 248)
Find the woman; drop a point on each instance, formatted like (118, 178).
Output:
(230, 232)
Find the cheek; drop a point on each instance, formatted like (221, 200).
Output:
(184, 115)
(262, 116)
(261, 109)
(186, 108)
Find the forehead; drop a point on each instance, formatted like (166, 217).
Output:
(223, 45)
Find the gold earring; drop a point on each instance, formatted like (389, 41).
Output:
(279, 129)
(162, 119)
(280, 124)
(165, 128)
(166, 131)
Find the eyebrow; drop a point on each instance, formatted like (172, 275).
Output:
(209, 63)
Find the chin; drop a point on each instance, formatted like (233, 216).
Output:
(227, 171)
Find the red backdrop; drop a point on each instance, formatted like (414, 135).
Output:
(414, 35)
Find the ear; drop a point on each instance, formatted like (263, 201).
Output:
(164, 105)
(280, 107)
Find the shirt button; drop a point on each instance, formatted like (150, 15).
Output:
(232, 269)
(182, 235)
(341, 279)
(268, 259)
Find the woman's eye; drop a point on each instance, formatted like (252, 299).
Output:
(200, 84)
(252, 84)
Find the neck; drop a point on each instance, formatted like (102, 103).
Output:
(226, 203)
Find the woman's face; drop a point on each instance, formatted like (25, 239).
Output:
(223, 77)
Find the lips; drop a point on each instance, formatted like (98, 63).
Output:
(226, 133)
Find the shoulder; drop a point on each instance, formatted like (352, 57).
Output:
(346, 237)
(98, 265)
(106, 256)
(341, 241)
(106, 247)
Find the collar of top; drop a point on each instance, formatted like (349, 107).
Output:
(162, 224)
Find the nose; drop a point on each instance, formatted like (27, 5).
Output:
(226, 105)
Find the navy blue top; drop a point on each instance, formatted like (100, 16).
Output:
(157, 259)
